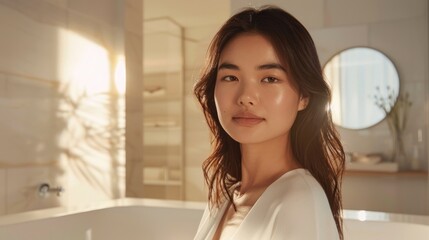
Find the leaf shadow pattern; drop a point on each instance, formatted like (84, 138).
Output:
(94, 142)
(52, 124)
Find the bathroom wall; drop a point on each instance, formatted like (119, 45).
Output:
(197, 137)
(62, 107)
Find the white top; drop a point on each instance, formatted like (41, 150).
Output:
(293, 207)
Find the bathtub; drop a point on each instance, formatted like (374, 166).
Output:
(132, 219)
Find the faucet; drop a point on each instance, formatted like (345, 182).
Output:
(44, 189)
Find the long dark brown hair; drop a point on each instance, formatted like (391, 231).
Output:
(315, 142)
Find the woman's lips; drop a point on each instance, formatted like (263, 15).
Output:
(247, 119)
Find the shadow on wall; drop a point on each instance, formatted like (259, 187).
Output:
(95, 136)
(83, 139)
(62, 112)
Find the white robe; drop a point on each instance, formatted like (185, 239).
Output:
(294, 207)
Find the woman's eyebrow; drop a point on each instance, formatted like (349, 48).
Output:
(271, 66)
(227, 65)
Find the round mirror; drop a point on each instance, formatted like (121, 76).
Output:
(363, 82)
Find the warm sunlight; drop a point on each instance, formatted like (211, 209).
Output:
(83, 63)
(332, 75)
(120, 75)
(89, 74)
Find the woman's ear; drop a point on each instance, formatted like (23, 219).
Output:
(303, 102)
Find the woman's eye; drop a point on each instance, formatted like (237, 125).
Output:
(229, 78)
(270, 80)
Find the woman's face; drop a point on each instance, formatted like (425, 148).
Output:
(255, 99)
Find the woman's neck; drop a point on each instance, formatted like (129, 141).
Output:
(263, 163)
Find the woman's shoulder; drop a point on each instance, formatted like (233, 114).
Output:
(299, 188)
(298, 180)
(302, 205)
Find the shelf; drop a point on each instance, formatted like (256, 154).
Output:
(162, 99)
(163, 111)
(163, 182)
(162, 176)
(378, 167)
(155, 136)
(379, 173)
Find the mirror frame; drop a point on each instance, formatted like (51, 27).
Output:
(328, 82)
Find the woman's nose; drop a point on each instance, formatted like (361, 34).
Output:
(247, 96)
(245, 102)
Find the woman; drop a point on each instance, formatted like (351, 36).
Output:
(276, 166)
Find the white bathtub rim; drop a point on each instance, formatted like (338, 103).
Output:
(356, 215)
(374, 216)
(109, 204)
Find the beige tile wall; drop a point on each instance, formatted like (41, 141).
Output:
(197, 137)
(3, 191)
(402, 36)
(22, 185)
(133, 20)
(51, 131)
